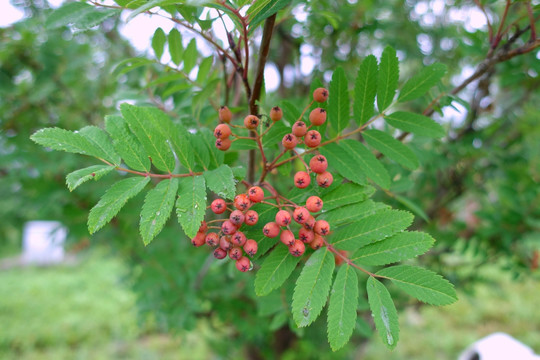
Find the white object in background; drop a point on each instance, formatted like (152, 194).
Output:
(43, 242)
(498, 346)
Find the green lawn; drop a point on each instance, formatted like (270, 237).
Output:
(85, 311)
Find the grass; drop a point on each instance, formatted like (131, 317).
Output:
(85, 311)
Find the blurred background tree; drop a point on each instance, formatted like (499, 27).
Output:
(476, 191)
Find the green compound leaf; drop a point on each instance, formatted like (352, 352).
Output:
(79, 177)
(391, 148)
(423, 284)
(175, 46)
(366, 162)
(157, 208)
(200, 151)
(113, 200)
(342, 307)
(190, 56)
(388, 78)
(348, 193)
(345, 164)
(383, 311)
(67, 14)
(312, 287)
(371, 228)
(365, 89)
(354, 212)
(158, 42)
(221, 181)
(191, 204)
(401, 246)
(126, 144)
(420, 84)
(415, 123)
(65, 140)
(142, 123)
(338, 102)
(263, 9)
(276, 268)
(102, 143)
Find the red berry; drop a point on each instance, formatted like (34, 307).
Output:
(218, 206)
(223, 144)
(271, 230)
(238, 238)
(228, 227)
(219, 253)
(322, 227)
(320, 95)
(251, 217)
(222, 131)
(325, 179)
(283, 218)
(318, 164)
(212, 239)
(276, 113)
(235, 253)
(302, 179)
(312, 138)
(242, 202)
(225, 114)
(255, 194)
(299, 129)
(300, 215)
(289, 141)
(317, 116)
(198, 240)
(225, 243)
(237, 217)
(310, 223)
(203, 227)
(314, 204)
(306, 235)
(250, 247)
(297, 248)
(243, 264)
(287, 237)
(251, 122)
(317, 242)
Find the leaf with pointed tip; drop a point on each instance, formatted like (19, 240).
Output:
(113, 200)
(312, 287)
(67, 14)
(126, 144)
(372, 228)
(149, 5)
(263, 9)
(348, 193)
(79, 177)
(353, 213)
(158, 42)
(175, 46)
(142, 124)
(338, 102)
(157, 208)
(190, 56)
(342, 307)
(413, 207)
(365, 89)
(391, 147)
(420, 84)
(221, 181)
(417, 124)
(275, 269)
(388, 78)
(423, 284)
(344, 163)
(102, 142)
(401, 246)
(383, 311)
(191, 204)
(366, 162)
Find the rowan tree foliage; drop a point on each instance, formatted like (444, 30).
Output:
(334, 164)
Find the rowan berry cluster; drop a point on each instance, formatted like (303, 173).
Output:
(295, 225)
(311, 231)
(229, 240)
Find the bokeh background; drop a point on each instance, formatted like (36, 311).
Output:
(477, 191)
